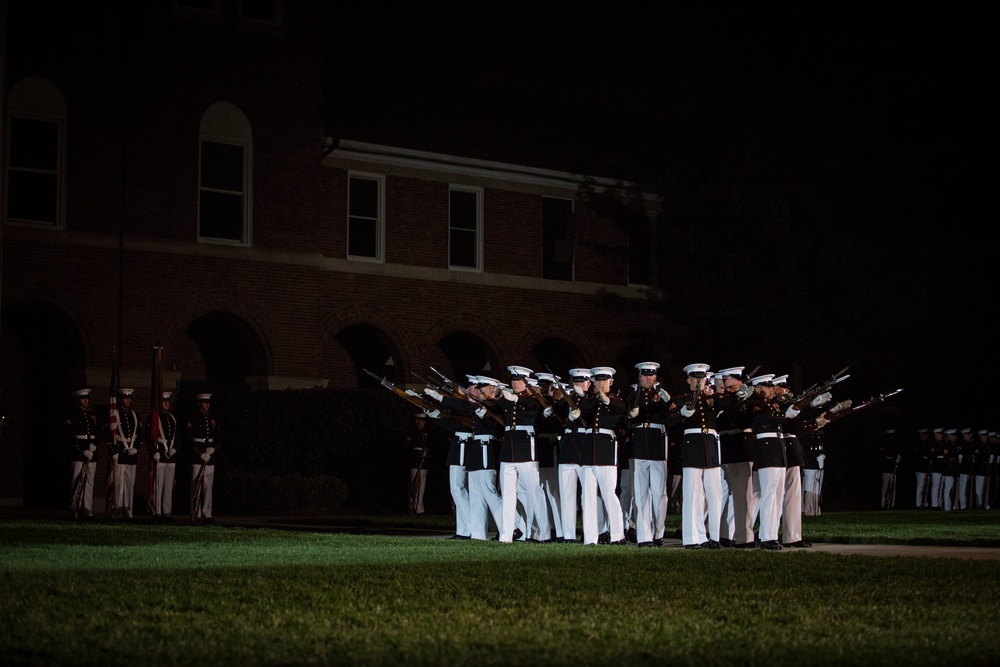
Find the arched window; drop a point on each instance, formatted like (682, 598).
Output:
(35, 159)
(225, 176)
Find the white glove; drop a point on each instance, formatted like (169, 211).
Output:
(115, 457)
(843, 405)
(509, 395)
(548, 411)
(574, 414)
(898, 458)
(959, 458)
(156, 456)
(991, 458)
(88, 454)
(604, 397)
(743, 392)
(92, 447)
(434, 394)
(171, 452)
(579, 391)
(633, 413)
(664, 395)
(791, 412)
(821, 399)
(434, 414)
(686, 411)
(205, 457)
(820, 460)
(210, 450)
(822, 421)
(132, 451)
(481, 413)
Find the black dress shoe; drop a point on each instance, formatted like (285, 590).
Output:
(658, 542)
(801, 544)
(620, 543)
(770, 545)
(630, 535)
(712, 544)
(726, 543)
(642, 545)
(604, 538)
(693, 546)
(518, 534)
(456, 536)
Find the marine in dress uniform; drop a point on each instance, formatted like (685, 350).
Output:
(770, 460)
(811, 417)
(458, 478)
(890, 456)
(981, 468)
(649, 412)
(481, 459)
(418, 449)
(736, 446)
(814, 446)
(125, 442)
(569, 466)
(82, 431)
(548, 429)
(163, 451)
(966, 460)
(202, 434)
(923, 451)
(949, 474)
(519, 458)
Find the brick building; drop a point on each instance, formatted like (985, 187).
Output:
(168, 179)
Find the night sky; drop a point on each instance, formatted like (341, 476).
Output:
(877, 127)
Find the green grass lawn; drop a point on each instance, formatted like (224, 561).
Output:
(106, 594)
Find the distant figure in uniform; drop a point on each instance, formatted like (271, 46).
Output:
(569, 467)
(889, 458)
(163, 449)
(548, 428)
(202, 434)
(701, 508)
(736, 444)
(126, 439)
(981, 469)
(418, 449)
(81, 434)
(966, 461)
(922, 459)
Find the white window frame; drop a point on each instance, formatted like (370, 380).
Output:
(379, 216)
(478, 191)
(225, 123)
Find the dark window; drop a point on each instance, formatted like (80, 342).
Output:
(33, 173)
(557, 238)
(463, 221)
(364, 219)
(221, 212)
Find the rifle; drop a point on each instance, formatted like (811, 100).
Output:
(196, 491)
(453, 388)
(850, 410)
(817, 389)
(416, 399)
(456, 392)
(80, 489)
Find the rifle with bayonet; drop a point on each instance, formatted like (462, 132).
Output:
(834, 413)
(817, 389)
(454, 390)
(419, 401)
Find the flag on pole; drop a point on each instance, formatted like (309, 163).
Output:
(156, 393)
(109, 495)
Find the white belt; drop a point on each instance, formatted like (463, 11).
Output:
(529, 429)
(203, 439)
(659, 427)
(86, 437)
(769, 434)
(483, 437)
(605, 431)
(706, 431)
(462, 435)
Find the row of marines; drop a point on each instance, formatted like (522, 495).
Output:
(546, 444)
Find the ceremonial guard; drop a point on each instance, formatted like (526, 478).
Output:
(811, 418)
(459, 427)
(518, 457)
(161, 438)
(481, 459)
(417, 443)
(814, 446)
(548, 429)
(939, 467)
(981, 469)
(126, 437)
(889, 458)
(966, 461)
(597, 453)
(569, 466)
(923, 457)
(202, 434)
(736, 447)
(81, 434)
(648, 415)
(949, 475)
(770, 461)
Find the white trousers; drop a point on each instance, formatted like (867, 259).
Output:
(626, 482)
(204, 509)
(604, 479)
(650, 493)
(124, 490)
(947, 489)
(701, 509)
(980, 487)
(963, 491)
(549, 480)
(772, 491)
(163, 489)
(525, 475)
(483, 497)
(921, 500)
(811, 488)
(886, 480)
(458, 481)
(569, 497)
(737, 497)
(791, 506)
(87, 497)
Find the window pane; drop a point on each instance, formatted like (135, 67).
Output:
(221, 166)
(364, 197)
(34, 144)
(463, 209)
(32, 196)
(362, 238)
(221, 216)
(462, 248)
